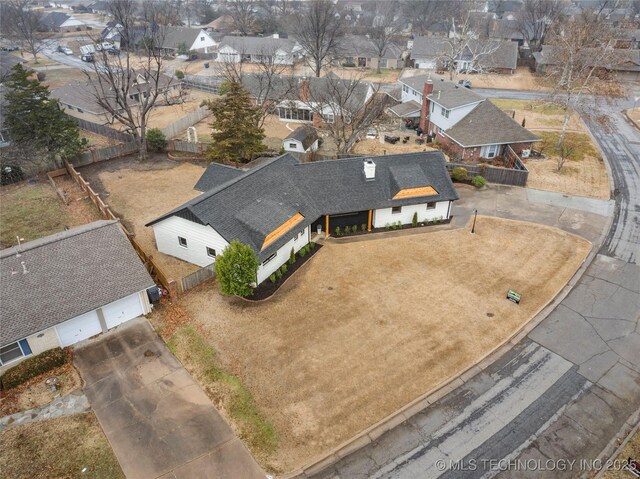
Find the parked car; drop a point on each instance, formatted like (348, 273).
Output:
(113, 51)
(67, 51)
(87, 57)
(60, 49)
(465, 83)
(10, 48)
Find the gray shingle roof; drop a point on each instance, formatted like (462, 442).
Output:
(54, 19)
(216, 175)
(305, 134)
(175, 36)
(78, 94)
(253, 205)
(428, 47)
(258, 45)
(488, 125)
(361, 46)
(445, 92)
(406, 109)
(504, 53)
(69, 273)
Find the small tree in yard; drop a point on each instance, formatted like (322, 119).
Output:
(292, 257)
(236, 269)
(236, 135)
(565, 151)
(156, 140)
(414, 220)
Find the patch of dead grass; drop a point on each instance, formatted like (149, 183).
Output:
(631, 450)
(60, 447)
(369, 326)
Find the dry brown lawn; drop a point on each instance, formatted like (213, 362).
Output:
(522, 79)
(366, 327)
(141, 195)
(374, 147)
(634, 114)
(539, 115)
(163, 115)
(631, 450)
(71, 446)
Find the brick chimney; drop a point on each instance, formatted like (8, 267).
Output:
(303, 89)
(424, 111)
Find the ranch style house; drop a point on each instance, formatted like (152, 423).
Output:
(281, 204)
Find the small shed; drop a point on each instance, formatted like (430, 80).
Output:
(303, 140)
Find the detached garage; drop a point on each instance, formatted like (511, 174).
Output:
(67, 287)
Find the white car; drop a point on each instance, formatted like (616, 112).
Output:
(67, 51)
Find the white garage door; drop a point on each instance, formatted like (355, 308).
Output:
(79, 328)
(123, 310)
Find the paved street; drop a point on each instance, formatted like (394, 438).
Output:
(564, 391)
(157, 419)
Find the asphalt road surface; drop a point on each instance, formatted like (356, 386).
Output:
(550, 405)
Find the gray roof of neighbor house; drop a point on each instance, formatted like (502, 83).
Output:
(361, 46)
(621, 59)
(445, 92)
(253, 205)
(173, 37)
(78, 94)
(68, 274)
(54, 19)
(258, 45)
(488, 125)
(307, 135)
(215, 175)
(406, 109)
(499, 53)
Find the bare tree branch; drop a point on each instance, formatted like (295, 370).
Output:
(23, 25)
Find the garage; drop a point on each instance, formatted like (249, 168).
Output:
(78, 328)
(123, 310)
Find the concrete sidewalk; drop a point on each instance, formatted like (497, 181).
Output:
(157, 419)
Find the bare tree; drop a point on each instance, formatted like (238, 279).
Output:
(267, 79)
(422, 14)
(243, 14)
(129, 85)
(536, 17)
(385, 28)
(564, 152)
(161, 12)
(580, 57)
(347, 108)
(318, 30)
(23, 25)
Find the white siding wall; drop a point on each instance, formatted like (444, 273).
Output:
(384, 216)
(203, 42)
(227, 54)
(455, 115)
(411, 94)
(282, 255)
(199, 237)
(426, 63)
(293, 145)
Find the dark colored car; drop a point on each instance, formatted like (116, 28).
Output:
(87, 57)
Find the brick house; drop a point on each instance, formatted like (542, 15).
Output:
(467, 125)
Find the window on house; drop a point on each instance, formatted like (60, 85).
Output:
(383, 63)
(293, 146)
(431, 205)
(446, 113)
(14, 351)
(211, 252)
(405, 88)
(328, 118)
(269, 258)
(396, 209)
(433, 107)
(202, 39)
(182, 241)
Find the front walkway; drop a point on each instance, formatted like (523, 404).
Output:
(157, 419)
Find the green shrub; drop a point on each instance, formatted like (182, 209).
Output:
(363, 227)
(338, 231)
(479, 181)
(414, 220)
(292, 257)
(387, 226)
(179, 74)
(459, 174)
(399, 225)
(279, 274)
(302, 252)
(354, 229)
(32, 367)
(156, 141)
(312, 245)
(283, 268)
(273, 278)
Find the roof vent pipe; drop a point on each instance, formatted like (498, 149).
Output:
(369, 170)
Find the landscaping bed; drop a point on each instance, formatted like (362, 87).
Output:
(369, 326)
(270, 286)
(70, 446)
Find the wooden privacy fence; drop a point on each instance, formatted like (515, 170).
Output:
(177, 127)
(180, 145)
(516, 176)
(152, 267)
(102, 130)
(108, 153)
(198, 277)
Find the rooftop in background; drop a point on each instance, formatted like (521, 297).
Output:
(68, 274)
(305, 134)
(445, 92)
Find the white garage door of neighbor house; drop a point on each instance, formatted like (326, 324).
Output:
(79, 328)
(122, 310)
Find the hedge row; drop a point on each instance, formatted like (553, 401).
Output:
(32, 367)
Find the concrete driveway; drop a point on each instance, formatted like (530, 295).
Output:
(157, 419)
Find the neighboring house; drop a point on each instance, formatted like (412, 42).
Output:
(360, 51)
(100, 8)
(67, 287)
(277, 206)
(270, 50)
(61, 22)
(223, 23)
(500, 56)
(468, 125)
(303, 139)
(184, 39)
(503, 29)
(112, 33)
(625, 64)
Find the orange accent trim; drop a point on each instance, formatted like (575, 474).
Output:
(412, 192)
(282, 229)
(369, 222)
(326, 230)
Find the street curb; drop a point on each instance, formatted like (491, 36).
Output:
(372, 433)
(612, 450)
